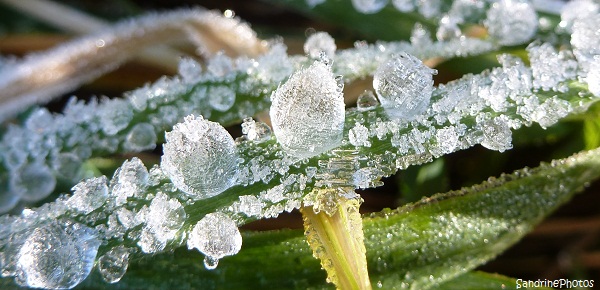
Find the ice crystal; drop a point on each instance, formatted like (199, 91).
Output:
(33, 182)
(586, 38)
(577, 9)
(200, 157)
(593, 77)
(404, 86)
(129, 180)
(89, 195)
(113, 265)
(255, 131)
(307, 112)
(369, 6)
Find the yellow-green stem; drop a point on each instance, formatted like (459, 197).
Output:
(337, 240)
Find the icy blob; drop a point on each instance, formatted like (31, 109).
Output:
(320, 42)
(57, 256)
(307, 112)
(404, 86)
(511, 22)
(216, 236)
(200, 157)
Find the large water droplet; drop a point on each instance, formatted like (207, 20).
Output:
(200, 157)
(307, 112)
(56, 256)
(216, 236)
(404, 86)
(511, 22)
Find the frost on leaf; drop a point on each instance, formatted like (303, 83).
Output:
(216, 236)
(404, 86)
(200, 157)
(307, 112)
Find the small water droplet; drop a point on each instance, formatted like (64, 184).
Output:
(210, 263)
(366, 101)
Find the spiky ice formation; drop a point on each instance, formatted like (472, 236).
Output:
(307, 112)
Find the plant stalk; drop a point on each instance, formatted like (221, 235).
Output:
(338, 241)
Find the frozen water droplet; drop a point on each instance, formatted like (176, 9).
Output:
(496, 135)
(250, 205)
(577, 9)
(511, 22)
(585, 39)
(129, 180)
(190, 70)
(307, 112)
(404, 5)
(141, 137)
(359, 135)
(215, 235)
(210, 263)
(320, 42)
(339, 80)
(55, 256)
(366, 101)
(89, 195)
(200, 157)
(255, 131)
(113, 265)
(221, 98)
(404, 86)
(548, 67)
(33, 182)
(420, 37)
(115, 115)
(593, 77)
(8, 199)
(369, 6)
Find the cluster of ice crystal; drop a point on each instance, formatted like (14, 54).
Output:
(550, 68)
(89, 195)
(511, 22)
(216, 236)
(50, 146)
(162, 219)
(307, 111)
(129, 180)
(56, 256)
(593, 77)
(404, 86)
(200, 157)
(320, 42)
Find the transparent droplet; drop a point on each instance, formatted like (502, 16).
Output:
(216, 236)
(56, 256)
(369, 6)
(200, 157)
(255, 131)
(113, 265)
(8, 199)
(141, 137)
(511, 22)
(33, 182)
(89, 195)
(366, 101)
(210, 263)
(307, 112)
(404, 86)
(221, 98)
(115, 115)
(320, 42)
